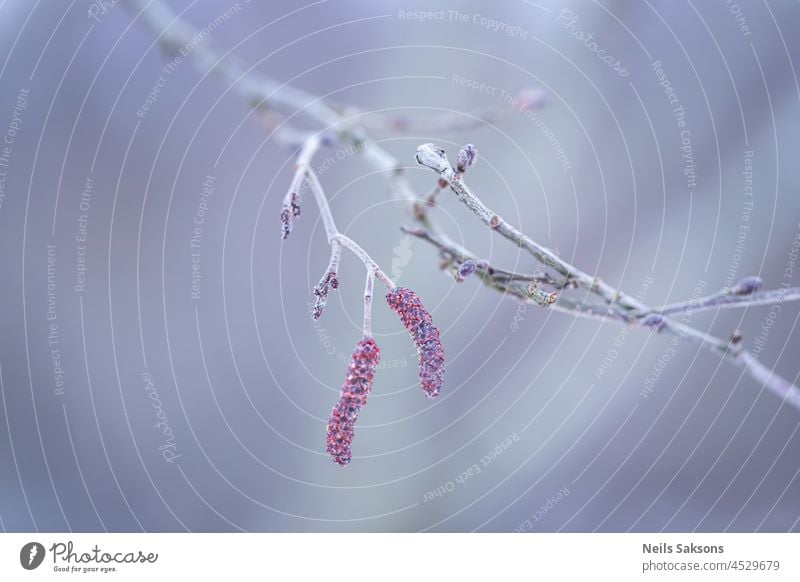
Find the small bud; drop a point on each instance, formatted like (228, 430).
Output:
(328, 281)
(654, 321)
(356, 388)
(286, 223)
(747, 286)
(419, 323)
(432, 157)
(290, 210)
(466, 157)
(736, 337)
(495, 221)
(465, 270)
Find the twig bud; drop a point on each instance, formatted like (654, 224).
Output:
(747, 286)
(654, 321)
(419, 323)
(291, 208)
(356, 388)
(328, 282)
(467, 156)
(465, 270)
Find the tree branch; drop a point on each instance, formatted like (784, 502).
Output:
(347, 125)
(632, 311)
(726, 299)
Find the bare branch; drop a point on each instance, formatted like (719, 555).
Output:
(264, 93)
(434, 158)
(621, 307)
(330, 280)
(173, 34)
(725, 299)
(457, 255)
(336, 239)
(768, 379)
(291, 202)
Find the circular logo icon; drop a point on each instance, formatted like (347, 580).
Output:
(31, 555)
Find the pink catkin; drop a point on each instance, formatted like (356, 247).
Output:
(419, 323)
(356, 387)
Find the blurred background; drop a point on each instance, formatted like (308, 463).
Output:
(163, 374)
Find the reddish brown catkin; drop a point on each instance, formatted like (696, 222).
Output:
(417, 320)
(356, 387)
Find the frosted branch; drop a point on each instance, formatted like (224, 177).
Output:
(368, 292)
(291, 202)
(620, 307)
(727, 299)
(434, 158)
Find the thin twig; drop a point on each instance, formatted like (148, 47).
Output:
(334, 236)
(368, 290)
(725, 299)
(291, 202)
(767, 378)
(459, 255)
(434, 158)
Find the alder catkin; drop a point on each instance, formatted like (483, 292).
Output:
(355, 389)
(419, 323)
